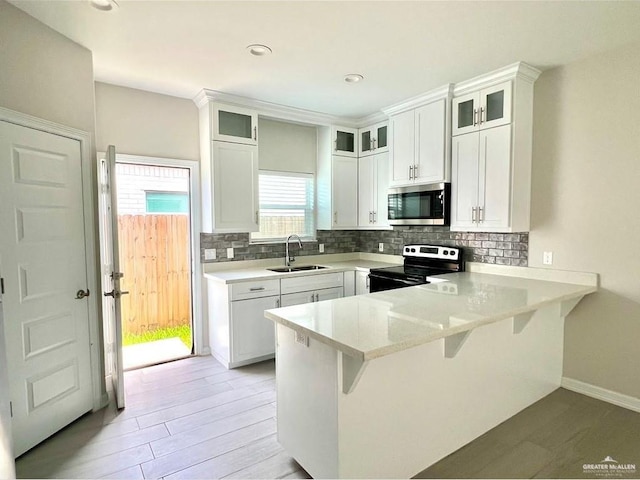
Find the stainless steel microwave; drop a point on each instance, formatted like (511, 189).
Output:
(420, 204)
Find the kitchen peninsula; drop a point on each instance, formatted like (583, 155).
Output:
(384, 385)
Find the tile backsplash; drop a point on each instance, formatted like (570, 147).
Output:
(499, 248)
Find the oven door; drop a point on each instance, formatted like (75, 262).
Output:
(419, 204)
(379, 283)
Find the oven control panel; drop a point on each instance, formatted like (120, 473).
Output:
(431, 251)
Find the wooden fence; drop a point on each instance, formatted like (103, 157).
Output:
(154, 256)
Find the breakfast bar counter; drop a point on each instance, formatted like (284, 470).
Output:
(384, 385)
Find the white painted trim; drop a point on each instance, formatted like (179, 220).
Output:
(609, 396)
(89, 194)
(520, 70)
(420, 100)
(200, 346)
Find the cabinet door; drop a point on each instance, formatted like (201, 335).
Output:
(381, 138)
(233, 124)
(464, 181)
(362, 282)
(329, 294)
(252, 334)
(431, 136)
(366, 182)
(465, 111)
(365, 142)
(402, 148)
(381, 199)
(235, 187)
(495, 106)
(345, 141)
(345, 192)
(299, 298)
(495, 177)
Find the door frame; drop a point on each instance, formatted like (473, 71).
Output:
(199, 345)
(89, 197)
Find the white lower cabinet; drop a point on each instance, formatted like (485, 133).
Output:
(239, 333)
(299, 298)
(362, 282)
(252, 335)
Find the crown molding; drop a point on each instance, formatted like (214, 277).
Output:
(520, 70)
(419, 100)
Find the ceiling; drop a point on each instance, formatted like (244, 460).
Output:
(402, 48)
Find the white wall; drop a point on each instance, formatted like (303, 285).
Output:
(43, 74)
(287, 147)
(586, 207)
(146, 123)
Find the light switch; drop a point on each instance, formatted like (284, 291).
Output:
(381, 247)
(547, 258)
(230, 252)
(321, 247)
(209, 253)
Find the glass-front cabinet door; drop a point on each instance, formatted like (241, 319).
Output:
(234, 124)
(495, 106)
(465, 114)
(373, 139)
(345, 141)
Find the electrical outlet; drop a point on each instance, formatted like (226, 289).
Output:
(547, 258)
(209, 253)
(321, 247)
(230, 252)
(302, 339)
(381, 247)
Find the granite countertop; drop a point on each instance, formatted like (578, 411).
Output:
(378, 324)
(261, 273)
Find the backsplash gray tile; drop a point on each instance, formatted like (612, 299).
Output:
(498, 248)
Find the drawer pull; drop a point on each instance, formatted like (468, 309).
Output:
(256, 289)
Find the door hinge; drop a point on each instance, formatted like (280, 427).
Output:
(1, 286)
(11, 408)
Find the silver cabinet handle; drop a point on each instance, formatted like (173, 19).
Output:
(473, 214)
(336, 145)
(475, 117)
(415, 171)
(480, 214)
(312, 298)
(317, 297)
(277, 303)
(375, 217)
(410, 172)
(367, 281)
(335, 217)
(256, 289)
(481, 114)
(370, 217)
(257, 216)
(374, 144)
(255, 133)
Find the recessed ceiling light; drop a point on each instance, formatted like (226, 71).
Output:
(259, 50)
(104, 5)
(353, 78)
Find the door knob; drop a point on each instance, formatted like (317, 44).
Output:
(80, 294)
(115, 293)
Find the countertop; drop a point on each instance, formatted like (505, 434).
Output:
(377, 324)
(261, 273)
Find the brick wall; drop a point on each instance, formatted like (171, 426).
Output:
(499, 248)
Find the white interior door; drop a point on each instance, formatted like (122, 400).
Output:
(46, 312)
(110, 271)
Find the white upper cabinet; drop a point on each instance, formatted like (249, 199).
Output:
(419, 144)
(373, 139)
(373, 182)
(234, 124)
(345, 141)
(228, 170)
(486, 108)
(491, 151)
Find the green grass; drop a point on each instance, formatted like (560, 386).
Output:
(183, 332)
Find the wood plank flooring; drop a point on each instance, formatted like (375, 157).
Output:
(194, 419)
(186, 419)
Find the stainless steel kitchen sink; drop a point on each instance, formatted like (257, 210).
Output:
(301, 268)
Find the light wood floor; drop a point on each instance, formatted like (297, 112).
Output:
(194, 419)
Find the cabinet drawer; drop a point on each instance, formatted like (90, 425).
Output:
(312, 282)
(264, 288)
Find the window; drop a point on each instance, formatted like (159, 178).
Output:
(167, 202)
(286, 206)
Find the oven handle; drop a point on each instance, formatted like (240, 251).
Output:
(399, 280)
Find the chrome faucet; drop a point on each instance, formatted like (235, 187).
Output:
(290, 258)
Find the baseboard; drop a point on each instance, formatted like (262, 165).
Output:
(619, 399)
